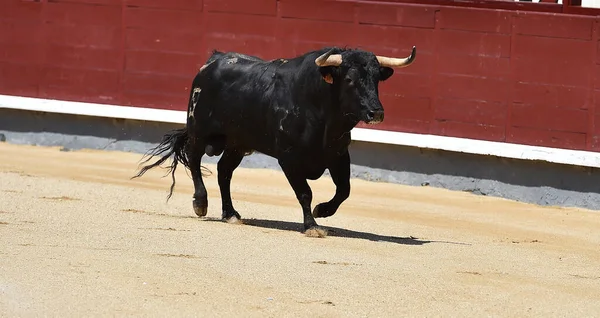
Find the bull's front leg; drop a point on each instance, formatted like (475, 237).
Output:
(304, 196)
(340, 173)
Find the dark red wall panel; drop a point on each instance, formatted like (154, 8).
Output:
(470, 87)
(82, 57)
(82, 14)
(474, 66)
(317, 10)
(557, 72)
(328, 33)
(16, 10)
(471, 43)
(19, 79)
(401, 39)
(105, 2)
(475, 111)
(77, 84)
(254, 7)
(475, 20)
(162, 40)
(163, 19)
(553, 26)
(546, 138)
(166, 84)
(187, 5)
(512, 76)
(156, 63)
(551, 95)
(406, 107)
(548, 49)
(219, 24)
(20, 53)
(390, 14)
(552, 118)
(108, 37)
(407, 84)
(468, 130)
(14, 31)
(154, 100)
(595, 140)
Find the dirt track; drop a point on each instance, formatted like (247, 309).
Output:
(80, 238)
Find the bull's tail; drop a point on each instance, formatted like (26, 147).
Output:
(173, 144)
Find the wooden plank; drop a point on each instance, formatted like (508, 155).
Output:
(546, 138)
(317, 10)
(487, 21)
(471, 43)
(188, 5)
(82, 14)
(397, 15)
(254, 7)
(177, 21)
(407, 107)
(551, 118)
(468, 130)
(470, 111)
(556, 26)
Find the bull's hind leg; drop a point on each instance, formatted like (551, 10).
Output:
(340, 173)
(195, 152)
(230, 160)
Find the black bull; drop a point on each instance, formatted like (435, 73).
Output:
(299, 111)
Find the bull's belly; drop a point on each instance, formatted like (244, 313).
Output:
(314, 172)
(304, 155)
(309, 162)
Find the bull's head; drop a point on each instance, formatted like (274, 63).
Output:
(356, 75)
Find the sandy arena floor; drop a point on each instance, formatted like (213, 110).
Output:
(80, 238)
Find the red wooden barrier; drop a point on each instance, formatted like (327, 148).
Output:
(516, 76)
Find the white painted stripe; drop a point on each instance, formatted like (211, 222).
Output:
(481, 147)
(471, 146)
(91, 109)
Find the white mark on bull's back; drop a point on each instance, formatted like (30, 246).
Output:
(232, 60)
(195, 96)
(205, 66)
(282, 119)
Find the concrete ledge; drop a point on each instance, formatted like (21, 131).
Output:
(531, 181)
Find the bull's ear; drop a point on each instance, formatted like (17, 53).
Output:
(327, 73)
(385, 73)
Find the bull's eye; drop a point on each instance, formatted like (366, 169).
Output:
(349, 81)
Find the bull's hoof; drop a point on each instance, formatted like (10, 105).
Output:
(233, 220)
(316, 231)
(232, 217)
(323, 210)
(200, 208)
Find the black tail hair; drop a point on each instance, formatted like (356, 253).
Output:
(173, 144)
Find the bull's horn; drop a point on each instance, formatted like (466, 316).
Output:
(396, 62)
(327, 59)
